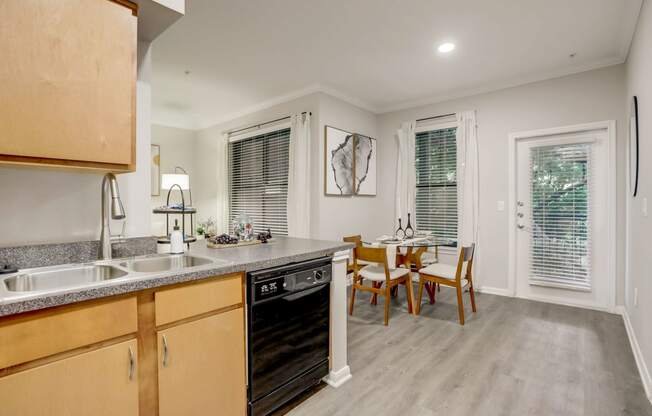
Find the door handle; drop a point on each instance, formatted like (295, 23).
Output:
(165, 351)
(132, 364)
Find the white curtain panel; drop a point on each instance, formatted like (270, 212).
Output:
(467, 181)
(299, 177)
(222, 183)
(406, 178)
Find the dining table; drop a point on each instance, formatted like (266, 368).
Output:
(408, 252)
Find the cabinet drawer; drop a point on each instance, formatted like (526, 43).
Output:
(37, 335)
(192, 300)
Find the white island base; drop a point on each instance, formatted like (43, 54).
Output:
(340, 372)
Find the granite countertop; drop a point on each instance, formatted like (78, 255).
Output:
(279, 251)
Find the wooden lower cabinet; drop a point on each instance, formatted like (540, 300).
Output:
(94, 383)
(201, 368)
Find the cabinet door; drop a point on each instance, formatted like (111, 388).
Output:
(67, 82)
(202, 367)
(95, 383)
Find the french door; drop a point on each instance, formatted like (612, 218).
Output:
(562, 218)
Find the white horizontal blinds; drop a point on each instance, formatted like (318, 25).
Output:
(258, 180)
(436, 171)
(560, 186)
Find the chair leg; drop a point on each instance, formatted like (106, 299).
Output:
(417, 309)
(352, 299)
(374, 296)
(394, 291)
(460, 305)
(387, 300)
(430, 290)
(408, 292)
(472, 293)
(438, 287)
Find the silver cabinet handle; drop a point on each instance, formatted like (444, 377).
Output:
(520, 226)
(132, 364)
(165, 351)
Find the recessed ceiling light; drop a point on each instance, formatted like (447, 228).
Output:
(446, 47)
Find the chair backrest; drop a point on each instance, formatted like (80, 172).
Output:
(372, 255)
(466, 256)
(355, 239)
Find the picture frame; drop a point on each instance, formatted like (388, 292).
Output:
(155, 169)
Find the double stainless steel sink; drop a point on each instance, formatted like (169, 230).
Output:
(73, 276)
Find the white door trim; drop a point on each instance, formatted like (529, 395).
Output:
(610, 127)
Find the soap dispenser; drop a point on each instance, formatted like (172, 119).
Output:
(176, 239)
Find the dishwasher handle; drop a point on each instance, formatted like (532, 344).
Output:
(303, 294)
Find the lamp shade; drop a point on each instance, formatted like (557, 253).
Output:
(170, 179)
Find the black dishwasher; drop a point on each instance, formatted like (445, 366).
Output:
(288, 332)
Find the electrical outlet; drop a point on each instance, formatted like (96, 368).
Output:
(500, 205)
(636, 297)
(644, 207)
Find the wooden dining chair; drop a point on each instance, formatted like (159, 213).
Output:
(378, 272)
(457, 277)
(357, 240)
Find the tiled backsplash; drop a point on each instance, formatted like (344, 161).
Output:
(24, 257)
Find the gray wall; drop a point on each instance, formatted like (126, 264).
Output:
(639, 83)
(177, 149)
(331, 217)
(586, 97)
(48, 205)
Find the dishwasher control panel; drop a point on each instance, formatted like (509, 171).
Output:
(288, 279)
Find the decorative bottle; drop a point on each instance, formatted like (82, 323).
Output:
(409, 231)
(400, 234)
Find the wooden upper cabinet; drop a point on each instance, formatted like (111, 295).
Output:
(68, 83)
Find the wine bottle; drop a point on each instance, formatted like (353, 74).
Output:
(409, 231)
(400, 234)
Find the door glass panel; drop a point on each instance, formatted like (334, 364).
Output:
(560, 189)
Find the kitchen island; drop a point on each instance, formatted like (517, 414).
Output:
(149, 314)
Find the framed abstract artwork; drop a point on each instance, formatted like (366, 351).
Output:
(338, 163)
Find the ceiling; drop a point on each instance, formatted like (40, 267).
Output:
(226, 58)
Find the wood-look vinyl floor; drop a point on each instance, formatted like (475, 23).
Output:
(514, 357)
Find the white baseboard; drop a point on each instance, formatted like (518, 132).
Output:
(638, 355)
(494, 291)
(564, 302)
(506, 292)
(337, 378)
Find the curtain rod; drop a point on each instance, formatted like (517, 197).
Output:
(260, 125)
(435, 117)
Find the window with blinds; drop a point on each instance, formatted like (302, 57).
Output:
(436, 171)
(258, 180)
(560, 187)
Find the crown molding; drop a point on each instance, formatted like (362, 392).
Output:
(281, 99)
(497, 86)
(630, 25)
(165, 118)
